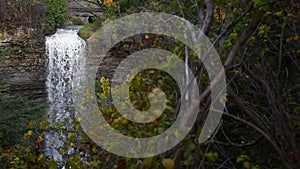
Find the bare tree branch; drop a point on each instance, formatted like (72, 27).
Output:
(236, 144)
(263, 133)
(244, 37)
(208, 17)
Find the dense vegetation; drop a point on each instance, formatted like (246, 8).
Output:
(41, 15)
(258, 42)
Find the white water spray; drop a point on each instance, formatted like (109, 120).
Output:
(65, 51)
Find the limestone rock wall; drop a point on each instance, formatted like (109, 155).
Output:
(82, 10)
(23, 68)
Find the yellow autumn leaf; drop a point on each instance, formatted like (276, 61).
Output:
(110, 3)
(83, 102)
(40, 157)
(147, 162)
(223, 98)
(102, 80)
(78, 119)
(295, 37)
(30, 125)
(27, 150)
(168, 163)
(39, 139)
(124, 121)
(29, 133)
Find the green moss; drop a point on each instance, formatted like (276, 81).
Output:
(77, 21)
(9, 50)
(88, 30)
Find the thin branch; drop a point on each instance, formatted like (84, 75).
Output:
(247, 110)
(208, 17)
(5, 123)
(209, 144)
(263, 133)
(244, 37)
(236, 144)
(280, 50)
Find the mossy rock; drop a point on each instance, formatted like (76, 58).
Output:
(88, 30)
(77, 21)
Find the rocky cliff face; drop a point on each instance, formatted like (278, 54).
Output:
(80, 10)
(22, 67)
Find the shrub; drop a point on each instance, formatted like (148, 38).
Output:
(56, 12)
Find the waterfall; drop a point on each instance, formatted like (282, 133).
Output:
(65, 51)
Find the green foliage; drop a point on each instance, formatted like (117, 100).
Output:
(140, 87)
(246, 161)
(271, 53)
(15, 115)
(28, 152)
(56, 12)
(212, 156)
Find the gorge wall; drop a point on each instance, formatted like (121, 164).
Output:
(22, 66)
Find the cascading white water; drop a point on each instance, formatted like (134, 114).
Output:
(65, 51)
